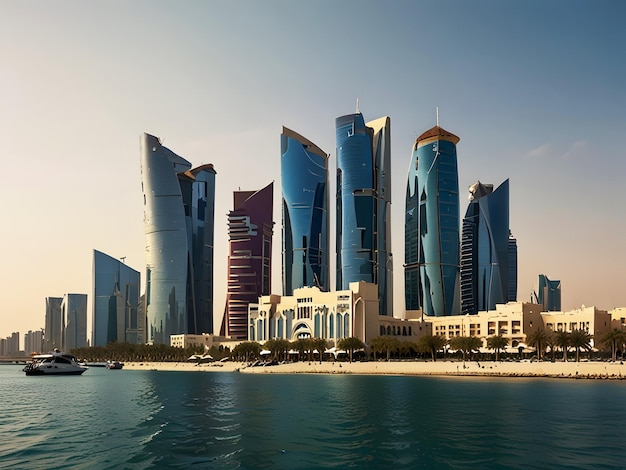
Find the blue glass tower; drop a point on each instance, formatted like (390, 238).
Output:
(549, 294)
(364, 205)
(304, 181)
(485, 249)
(413, 252)
(178, 220)
(115, 301)
(434, 154)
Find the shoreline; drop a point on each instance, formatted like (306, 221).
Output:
(560, 370)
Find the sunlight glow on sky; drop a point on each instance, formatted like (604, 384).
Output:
(535, 90)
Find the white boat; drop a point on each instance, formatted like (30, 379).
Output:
(54, 363)
(114, 365)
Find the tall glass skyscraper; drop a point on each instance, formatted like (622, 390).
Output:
(304, 181)
(432, 211)
(549, 294)
(53, 335)
(485, 249)
(250, 230)
(364, 205)
(74, 312)
(115, 302)
(178, 217)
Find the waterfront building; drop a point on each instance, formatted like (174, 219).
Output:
(312, 313)
(364, 206)
(549, 294)
(33, 342)
(485, 249)
(10, 346)
(593, 320)
(512, 290)
(74, 317)
(204, 341)
(413, 249)
(250, 230)
(304, 181)
(513, 321)
(115, 302)
(434, 204)
(53, 333)
(178, 217)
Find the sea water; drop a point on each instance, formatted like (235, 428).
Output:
(157, 419)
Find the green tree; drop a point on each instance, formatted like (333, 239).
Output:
(539, 339)
(279, 347)
(580, 339)
(431, 344)
(465, 344)
(301, 345)
(378, 345)
(562, 340)
(351, 344)
(497, 343)
(319, 344)
(615, 339)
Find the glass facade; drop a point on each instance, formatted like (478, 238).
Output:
(549, 294)
(304, 181)
(413, 253)
(250, 230)
(434, 154)
(178, 220)
(74, 311)
(485, 249)
(115, 302)
(364, 205)
(53, 335)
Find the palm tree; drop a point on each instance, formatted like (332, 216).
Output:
(539, 339)
(302, 345)
(351, 344)
(320, 345)
(431, 344)
(562, 340)
(497, 343)
(615, 338)
(580, 339)
(466, 344)
(377, 345)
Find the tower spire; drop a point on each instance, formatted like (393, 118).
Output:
(357, 106)
(437, 108)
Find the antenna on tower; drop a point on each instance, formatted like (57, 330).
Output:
(357, 106)
(437, 116)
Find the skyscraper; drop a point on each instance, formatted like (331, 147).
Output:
(178, 217)
(364, 205)
(304, 181)
(74, 312)
(485, 249)
(115, 301)
(435, 198)
(549, 295)
(53, 334)
(512, 291)
(250, 230)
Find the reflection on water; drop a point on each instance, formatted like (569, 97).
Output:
(150, 419)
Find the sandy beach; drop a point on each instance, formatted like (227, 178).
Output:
(573, 370)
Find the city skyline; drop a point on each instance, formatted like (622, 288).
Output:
(533, 90)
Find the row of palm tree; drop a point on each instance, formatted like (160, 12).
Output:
(306, 348)
(541, 339)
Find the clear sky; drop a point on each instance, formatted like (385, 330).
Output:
(535, 89)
